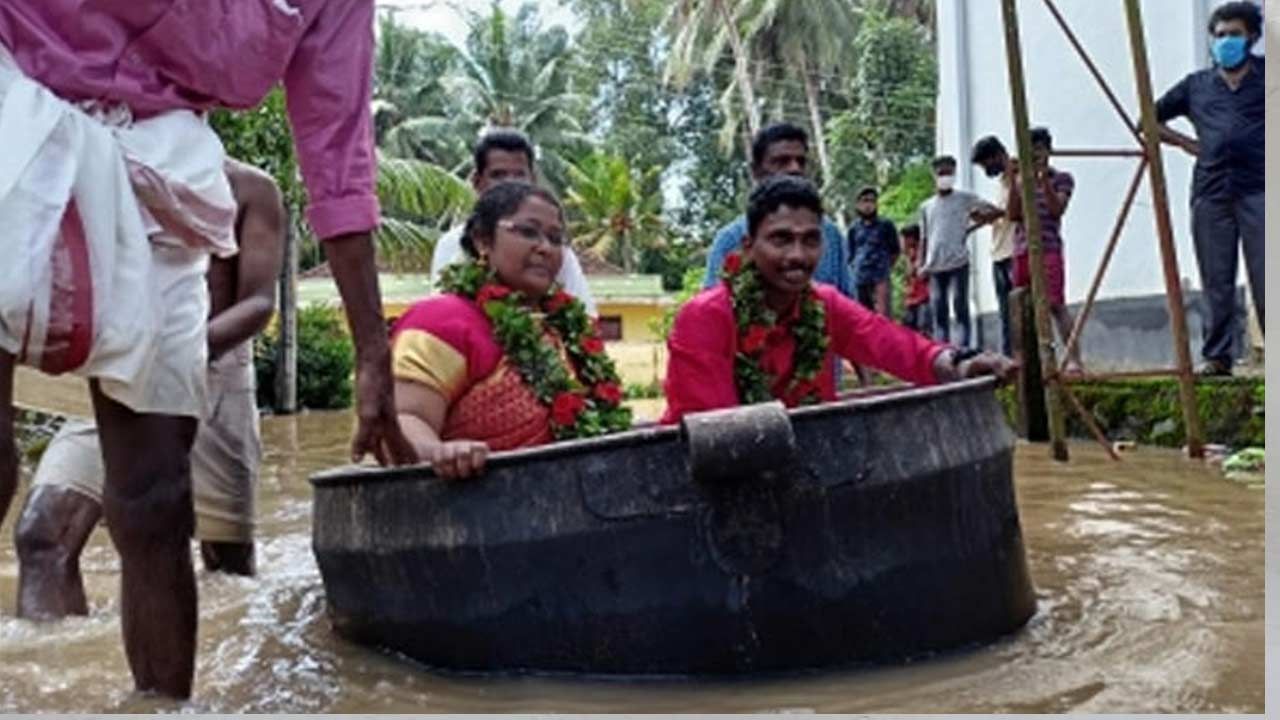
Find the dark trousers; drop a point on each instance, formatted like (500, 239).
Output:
(953, 284)
(1220, 228)
(918, 318)
(866, 295)
(1002, 272)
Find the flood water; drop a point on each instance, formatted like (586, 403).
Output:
(1149, 575)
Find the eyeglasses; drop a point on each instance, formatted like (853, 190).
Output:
(532, 234)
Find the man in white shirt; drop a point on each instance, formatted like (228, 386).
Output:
(507, 155)
(990, 154)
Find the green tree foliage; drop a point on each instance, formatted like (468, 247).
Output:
(891, 123)
(804, 44)
(262, 137)
(617, 69)
(411, 105)
(701, 33)
(713, 184)
(326, 360)
(614, 209)
(515, 73)
(419, 202)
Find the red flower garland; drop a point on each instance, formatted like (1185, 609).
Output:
(584, 398)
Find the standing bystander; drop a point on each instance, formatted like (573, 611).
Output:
(873, 245)
(945, 226)
(1225, 104)
(1053, 193)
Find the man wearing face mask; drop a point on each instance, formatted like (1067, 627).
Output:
(1225, 104)
(945, 226)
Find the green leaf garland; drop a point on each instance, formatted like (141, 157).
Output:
(586, 399)
(758, 325)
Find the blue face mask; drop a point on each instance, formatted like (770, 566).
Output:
(1230, 51)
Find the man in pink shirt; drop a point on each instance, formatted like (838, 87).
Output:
(767, 332)
(114, 198)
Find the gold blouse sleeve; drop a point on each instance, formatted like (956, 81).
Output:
(418, 356)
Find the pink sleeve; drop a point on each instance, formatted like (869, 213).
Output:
(700, 359)
(327, 90)
(867, 338)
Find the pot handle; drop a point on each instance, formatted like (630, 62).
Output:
(738, 444)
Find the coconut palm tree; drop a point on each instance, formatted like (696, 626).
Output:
(419, 201)
(614, 209)
(700, 31)
(807, 41)
(515, 74)
(411, 105)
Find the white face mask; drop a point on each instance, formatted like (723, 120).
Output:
(946, 182)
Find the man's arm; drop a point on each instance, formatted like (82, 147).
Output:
(351, 261)
(700, 365)
(261, 239)
(1056, 192)
(985, 214)
(1173, 104)
(1170, 136)
(851, 241)
(866, 338)
(1014, 210)
(895, 247)
(327, 89)
(922, 255)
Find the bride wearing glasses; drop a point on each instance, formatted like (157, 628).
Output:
(503, 358)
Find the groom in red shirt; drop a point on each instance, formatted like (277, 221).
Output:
(767, 331)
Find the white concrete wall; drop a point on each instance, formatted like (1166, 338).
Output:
(974, 101)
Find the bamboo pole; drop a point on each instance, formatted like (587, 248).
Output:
(1123, 375)
(1164, 229)
(1090, 423)
(1099, 153)
(1031, 221)
(286, 380)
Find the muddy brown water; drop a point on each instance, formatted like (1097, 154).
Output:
(1149, 576)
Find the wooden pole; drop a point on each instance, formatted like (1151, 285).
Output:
(1033, 421)
(286, 380)
(1031, 221)
(1090, 423)
(1099, 153)
(1164, 229)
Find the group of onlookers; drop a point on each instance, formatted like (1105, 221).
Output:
(1225, 104)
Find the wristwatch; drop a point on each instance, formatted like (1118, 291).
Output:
(960, 354)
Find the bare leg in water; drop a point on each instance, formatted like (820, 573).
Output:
(52, 530)
(8, 446)
(147, 505)
(51, 533)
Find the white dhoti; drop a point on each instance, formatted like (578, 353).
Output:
(107, 226)
(224, 459)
